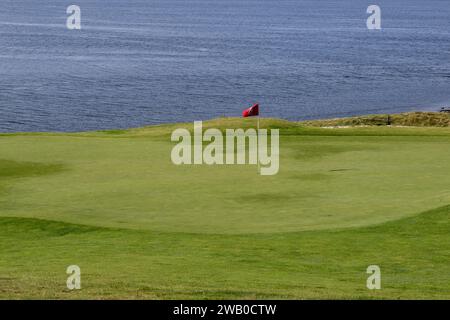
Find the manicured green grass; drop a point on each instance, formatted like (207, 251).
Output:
(113, 203)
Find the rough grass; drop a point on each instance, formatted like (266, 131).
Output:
(140, 227)
(415, 119)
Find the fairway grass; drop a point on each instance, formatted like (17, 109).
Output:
(113, 203)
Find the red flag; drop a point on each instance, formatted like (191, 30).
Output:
(252, 111)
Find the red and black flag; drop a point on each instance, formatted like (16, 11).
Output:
(252, 111)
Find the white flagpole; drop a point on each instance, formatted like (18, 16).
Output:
(257, 143)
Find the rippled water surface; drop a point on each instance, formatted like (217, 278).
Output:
(140, 62)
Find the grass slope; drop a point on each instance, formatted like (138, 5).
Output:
(140, 227)
(417, 119)
(413, 254)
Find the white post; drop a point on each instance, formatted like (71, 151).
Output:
(257, 144)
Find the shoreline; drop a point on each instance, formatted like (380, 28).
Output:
(416, 119)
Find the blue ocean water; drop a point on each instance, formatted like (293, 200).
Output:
(139, 62)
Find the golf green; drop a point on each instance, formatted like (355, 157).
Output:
(139, 226)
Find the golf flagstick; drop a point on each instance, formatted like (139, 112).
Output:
(257, 143)
(251, 112)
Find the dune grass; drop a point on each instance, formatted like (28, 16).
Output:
(139, 227)
(415, 119)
